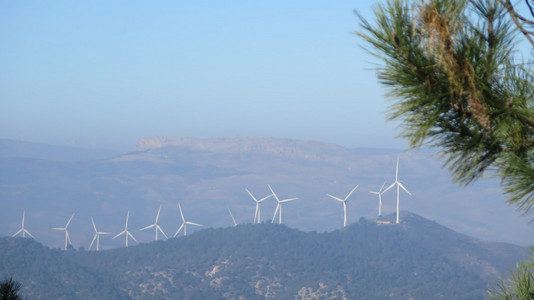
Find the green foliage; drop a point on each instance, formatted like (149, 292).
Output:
(9, 289)
(520, 284)
(449, 66)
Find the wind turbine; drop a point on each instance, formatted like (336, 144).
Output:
(97, 236)
(379, 193)
(125, 231)
(67, 238)
(279, 206)
(184, 223)
(233, 219)
(156, 225)
(399, 185)
(22, 229)
(344, 201)
(257, 214)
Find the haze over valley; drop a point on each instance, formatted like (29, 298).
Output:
(208, 176)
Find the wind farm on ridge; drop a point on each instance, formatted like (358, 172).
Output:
(255, 220)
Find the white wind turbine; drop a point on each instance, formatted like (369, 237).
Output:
(97, 236)
(184, 223)
(23, 230)
(399, 185)
(379, 193)
(67, 238)
(233, 219)
(257, 214)
(125, 231)
(279, 206)
(344, 201)
(156, 225)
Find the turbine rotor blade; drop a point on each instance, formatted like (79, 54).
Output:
(132, 237)
(20, 230)
(233, 219)
(351, 192)
(68, 237)
(149, 226)
(287, 200)
(127, 217)
(265, 198)
(179, 229)
(397, 170)
(161, 230)
(70, 219)
(402, 186)
(94, 226)
(276, 197)
(181, 213)
(157, 216)
(122, 232)
(29, 233)
(392, 185)
(191, 223)
(382, 187)
(94, 239)
(276, 211)
(251, 195)
(334, 197)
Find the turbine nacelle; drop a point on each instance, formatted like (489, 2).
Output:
(184, 223)
(399, 185)
(126, 232)
(96, 236)
(156, 225)
(67, 237)
(23, 230)
(344, 201)
(257, 213)
(279, 206)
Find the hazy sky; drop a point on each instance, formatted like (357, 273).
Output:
(104, 73)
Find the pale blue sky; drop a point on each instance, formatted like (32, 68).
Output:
(104, 73)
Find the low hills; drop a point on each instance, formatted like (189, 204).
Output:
(416, 259)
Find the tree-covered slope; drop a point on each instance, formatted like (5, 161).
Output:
(417, 258)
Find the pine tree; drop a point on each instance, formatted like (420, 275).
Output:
(520, 284)
(9, 289)
(452, 70)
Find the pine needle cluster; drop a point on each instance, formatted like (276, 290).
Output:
(451, 69)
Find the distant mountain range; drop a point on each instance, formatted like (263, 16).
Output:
(208, 175)
(416, 259)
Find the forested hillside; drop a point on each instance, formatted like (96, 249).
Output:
(417, 258)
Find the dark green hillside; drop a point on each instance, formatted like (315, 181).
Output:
(417, 258)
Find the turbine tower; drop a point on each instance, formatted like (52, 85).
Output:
(67, 238)
(22, 230)
(184, 223)
(257, 214)
(279, 206)
(379, 193)
(97, 236)
(233, 219)
(126, 232)
(156, 225)
(399, 185)
(344, 201)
